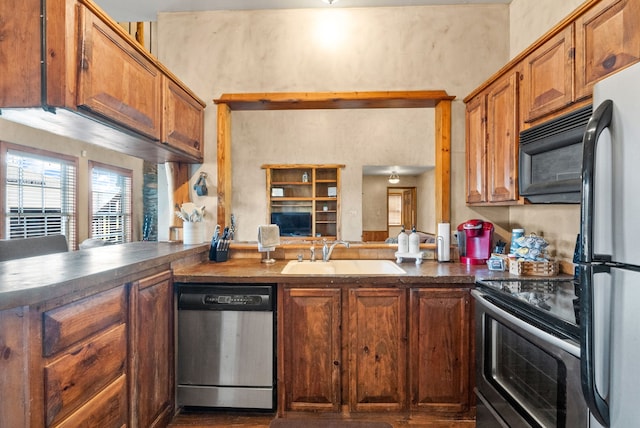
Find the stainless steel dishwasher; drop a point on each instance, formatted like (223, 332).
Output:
(226, 346)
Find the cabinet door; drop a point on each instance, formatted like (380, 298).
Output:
(607, 39)
(115, 81)
(377, 349)
(548, 76)
(441, 360)
(311, 337)
(502, 140)
(152, 351)
(182, 121)
(476, 138)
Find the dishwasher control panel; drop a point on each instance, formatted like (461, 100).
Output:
(217, 297)
(235, 299)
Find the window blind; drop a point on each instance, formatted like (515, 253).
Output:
(110, 205)
(40, 196)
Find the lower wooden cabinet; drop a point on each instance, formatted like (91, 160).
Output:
(375, 349)
(152, 351)
(377, 341)
(441, 368)
(104, 360)
(312, 353)
(85, 352)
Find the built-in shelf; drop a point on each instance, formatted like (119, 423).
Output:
(306, 189)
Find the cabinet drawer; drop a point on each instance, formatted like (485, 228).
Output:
(71, 323)
(108, 409)
(77, 376)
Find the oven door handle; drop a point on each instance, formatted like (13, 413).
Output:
(565, 345)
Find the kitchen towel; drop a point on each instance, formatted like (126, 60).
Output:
(443, 242)
(268, 237)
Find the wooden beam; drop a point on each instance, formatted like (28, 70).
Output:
(333, 100)
(440, 100)
(224, 165)
(443, 161)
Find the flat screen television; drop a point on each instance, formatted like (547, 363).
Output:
(292, 223)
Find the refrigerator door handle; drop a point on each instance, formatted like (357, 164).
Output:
(600, 120)
(597, 404)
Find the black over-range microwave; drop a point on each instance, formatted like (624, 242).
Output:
(550, 159)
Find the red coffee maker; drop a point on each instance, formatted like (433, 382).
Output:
(474, 241)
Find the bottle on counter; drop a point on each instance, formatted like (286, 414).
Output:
(515, 235)
(414, 241)
(403, 241)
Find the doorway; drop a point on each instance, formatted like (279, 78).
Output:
(401, 209)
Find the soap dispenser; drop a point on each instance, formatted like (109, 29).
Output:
(403, 241)
(414, 241)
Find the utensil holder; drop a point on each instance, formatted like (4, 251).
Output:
(219, 250)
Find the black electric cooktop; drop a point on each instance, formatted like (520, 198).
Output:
(550, 303)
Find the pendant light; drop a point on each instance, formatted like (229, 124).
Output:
(394, 178)
(330, 2)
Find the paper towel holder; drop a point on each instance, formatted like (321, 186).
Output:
(443, 245)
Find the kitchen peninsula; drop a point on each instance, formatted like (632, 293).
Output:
(94, 332)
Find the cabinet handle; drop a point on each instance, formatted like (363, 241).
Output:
(336, 363)
(365, 349)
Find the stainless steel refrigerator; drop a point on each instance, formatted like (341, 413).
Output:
(610, 253)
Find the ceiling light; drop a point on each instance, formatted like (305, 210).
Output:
(394, 178)
(330, 1)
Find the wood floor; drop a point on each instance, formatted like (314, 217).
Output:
(215, 419)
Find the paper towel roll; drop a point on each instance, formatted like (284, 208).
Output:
(443, 242)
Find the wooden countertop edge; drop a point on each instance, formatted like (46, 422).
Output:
(25, 282)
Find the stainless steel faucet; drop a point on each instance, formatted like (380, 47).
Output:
(327, 250)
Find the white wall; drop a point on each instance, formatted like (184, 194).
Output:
(453, 48)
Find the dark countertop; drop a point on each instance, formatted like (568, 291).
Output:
(36, 279)
(251, 270)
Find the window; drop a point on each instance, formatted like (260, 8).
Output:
(39, 194)
(395, 209)
(110, 203)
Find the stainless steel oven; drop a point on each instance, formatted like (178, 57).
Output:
(528, 358)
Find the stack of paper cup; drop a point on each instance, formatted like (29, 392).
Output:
(443, 242)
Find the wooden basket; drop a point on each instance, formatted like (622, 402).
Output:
(527, 267)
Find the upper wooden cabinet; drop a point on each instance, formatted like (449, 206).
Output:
(476, 149)
(182, 120)
(492, 143)
(548, 76)
(77, 73)
(115, 81)
(502, 140)
(552, 77)
(607, 39)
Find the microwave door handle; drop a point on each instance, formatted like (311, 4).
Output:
(597, 404)
(600, 120)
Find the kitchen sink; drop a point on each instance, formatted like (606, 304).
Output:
(343, 267)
